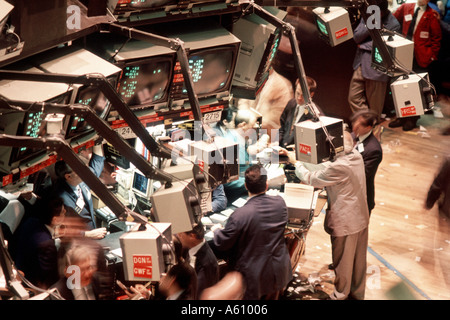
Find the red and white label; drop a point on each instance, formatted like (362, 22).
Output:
(305, 149)
(142, 266)
(408, 111)
(341, 33)
(201, 165)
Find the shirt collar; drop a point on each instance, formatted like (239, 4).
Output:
(193, 251)
(364, 136)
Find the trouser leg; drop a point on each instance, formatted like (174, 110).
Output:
(349, 260)
(357, 92)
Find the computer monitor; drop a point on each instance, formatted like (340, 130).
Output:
(141, 185)
(89, 96)
(80, 62)
(401, 51)
(122, 6)
(145, 82)
(333, 25)
(34, 125)
(212, 55)
(211, 70)
(31, 124)
(260, 42)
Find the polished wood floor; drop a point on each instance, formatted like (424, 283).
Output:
(409, 246)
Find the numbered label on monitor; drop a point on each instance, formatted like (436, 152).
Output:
(212, 116)
(125, 132)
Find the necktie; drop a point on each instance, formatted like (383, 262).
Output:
(409, 35)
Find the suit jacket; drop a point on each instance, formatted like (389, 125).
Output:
(66, 192)
(287, 117)
(36, 253)
(372, 156)
(206, 267)
(67, 294)
(363, 55)
(254, 238)
(345, 182)
(428, 34)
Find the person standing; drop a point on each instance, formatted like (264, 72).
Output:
(368, 145)
(253, 238)
(420, 23)
(368, 86)
(347, 217)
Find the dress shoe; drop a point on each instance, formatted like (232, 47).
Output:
(409, 124)
(396, 123)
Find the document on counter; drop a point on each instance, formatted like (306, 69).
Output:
(239, 202)
(117, 252)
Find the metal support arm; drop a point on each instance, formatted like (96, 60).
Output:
(62, 148)
(102, 127)
(106, 88)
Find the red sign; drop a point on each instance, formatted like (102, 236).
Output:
(341, 33)
(142, 265)
(201, 165)
(303, 148)
(408, 111)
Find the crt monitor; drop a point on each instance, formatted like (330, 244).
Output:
(141, 185)
(89, 96)
(211, 70)
(34, 125)
(145, 82)
(212, 53)
(123, 6)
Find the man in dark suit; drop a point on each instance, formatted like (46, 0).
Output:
(36, 243)
(368, 145)
(201, 257)
(295, 112)
(76, 194)
(253, 239)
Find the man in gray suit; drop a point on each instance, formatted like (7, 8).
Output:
(347, 217)
(253, 239)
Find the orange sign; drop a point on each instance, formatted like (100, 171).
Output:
(408, 111)
(142, 265)
(341, 33)
(303, 148)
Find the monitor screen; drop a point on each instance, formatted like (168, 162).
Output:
(140, 185)
(89, 96)
(34, 125)
(145, 82)
(212, 71)
(136, 5)
(322, 27)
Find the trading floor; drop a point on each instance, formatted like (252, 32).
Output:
(409, 247)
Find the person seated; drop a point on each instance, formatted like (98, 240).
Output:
(78, 281)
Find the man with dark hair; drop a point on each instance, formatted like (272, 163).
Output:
(36, 247)
(295, 112)
(76, 194)
(201, 257)
(253, 239)
(368, 145)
